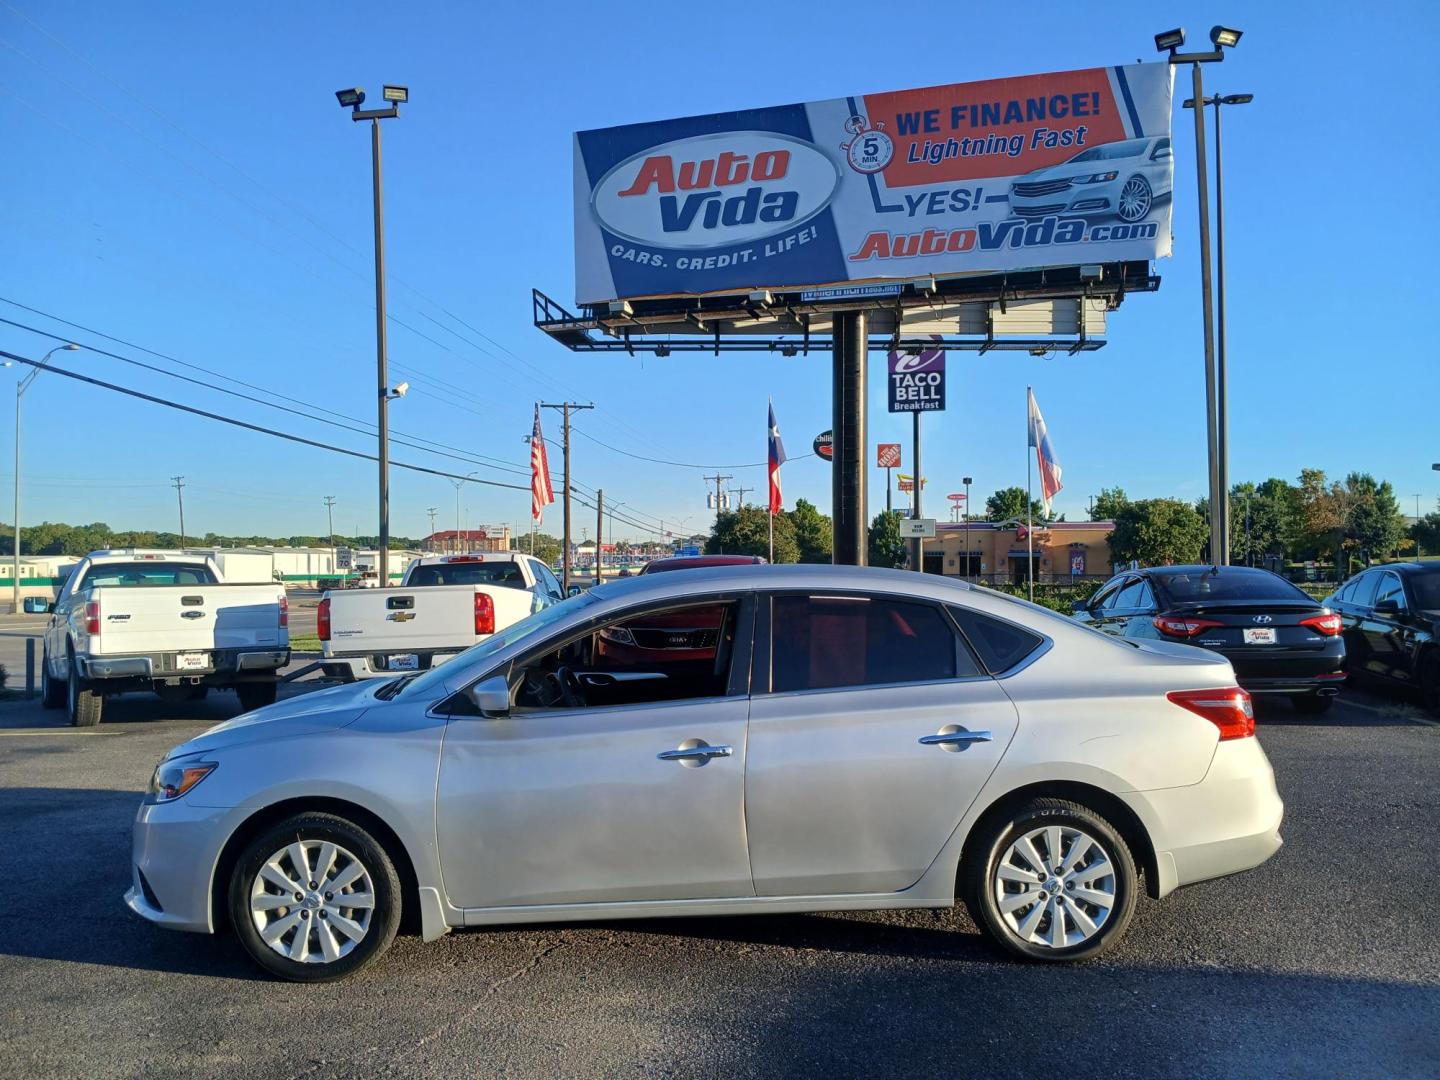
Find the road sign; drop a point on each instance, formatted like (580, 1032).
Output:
(913, 528)
(343, 558)
(887, 455)
(824, 446)
(916, 381)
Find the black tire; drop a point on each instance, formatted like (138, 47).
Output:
(989, 845)
(255, 695)
(85, 704)
(384, 918)
(197, 693)
(1313, 704)
(1430, 680)
(52, 691)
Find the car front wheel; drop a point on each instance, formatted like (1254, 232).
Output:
(314, 898)
(1135, 199)
(1051, 880)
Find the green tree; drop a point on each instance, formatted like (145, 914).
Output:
(1426, 532)
(1009, 503)
(886, 547)
(1108, 504)
(547, 547)
(1263, 520)
(1373, 520)
(813, 532)
(1155, 532)
(746, 532)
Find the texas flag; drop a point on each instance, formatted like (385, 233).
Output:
(777, 458)
(1044, 455)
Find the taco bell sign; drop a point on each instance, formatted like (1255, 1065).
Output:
(917, 381)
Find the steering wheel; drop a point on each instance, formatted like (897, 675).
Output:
(568, 686)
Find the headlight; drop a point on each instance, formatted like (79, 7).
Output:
(618, 634)
(1097, 178)
(173, 779)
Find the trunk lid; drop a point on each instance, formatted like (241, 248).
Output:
(186, 618)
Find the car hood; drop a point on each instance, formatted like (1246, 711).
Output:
(322, 710)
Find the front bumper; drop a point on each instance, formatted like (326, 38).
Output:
(175, 848)
(1086, 200)
(1228, 822)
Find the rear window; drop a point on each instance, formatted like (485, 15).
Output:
(1233, 583)
(504, 574)
(1001, 645)
(1425, 584)
(126, 575)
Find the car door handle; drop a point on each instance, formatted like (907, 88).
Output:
(690, 753)
(955, 738)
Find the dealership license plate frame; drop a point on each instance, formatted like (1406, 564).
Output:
(1259, 635)
(192, 661)
(403, 662)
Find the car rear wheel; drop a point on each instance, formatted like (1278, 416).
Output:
(1135, 199)
(314, 898)
(1430, 680)
(85, 704)
(1313, 704)
(1051, 880)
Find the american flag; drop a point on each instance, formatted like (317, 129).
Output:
(541, 494)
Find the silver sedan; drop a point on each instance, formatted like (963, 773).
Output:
(722, 741)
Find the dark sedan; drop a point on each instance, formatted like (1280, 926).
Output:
(1278, 640)
(1391, 617)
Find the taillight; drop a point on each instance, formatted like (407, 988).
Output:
(322, 620)
(92, 616)
(1329, 625)
(1229, 709)
(1176, 626)
(284, 612)
(484, 613)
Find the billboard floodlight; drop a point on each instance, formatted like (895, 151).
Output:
(397, 94)
(1170, 40)
(1224, 36)
(1237, 99)
(351, 98)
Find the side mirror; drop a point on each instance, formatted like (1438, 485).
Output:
(1078, 606)
(491, 696)
(574, 590)
(36, 605)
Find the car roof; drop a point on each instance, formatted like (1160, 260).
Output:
(683, 562)
(710, 579)
(1205, 568)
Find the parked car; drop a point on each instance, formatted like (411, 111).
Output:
(1124, 179)
(862, 739)
(1278, 639)
(1391, 619)
(442, 606)
(161, 621)
(699, 562)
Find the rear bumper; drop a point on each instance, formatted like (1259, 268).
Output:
(1288, 671)
(370, 665)
(160, 667)
(1227, 823)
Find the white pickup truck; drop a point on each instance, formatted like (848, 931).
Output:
(161, 621)
(444, 605)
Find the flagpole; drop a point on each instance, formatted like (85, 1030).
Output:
(1029, 502)
(769, 508)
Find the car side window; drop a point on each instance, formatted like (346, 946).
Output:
(824, 642)
(1001, 645)
(1161, 151)
(1390, 588)
(1105, 599)
(550, 581)
(1364, 594)
(1129, 597)
(1145, 598)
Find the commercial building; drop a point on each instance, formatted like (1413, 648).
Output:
(459, 541)
(984, 551)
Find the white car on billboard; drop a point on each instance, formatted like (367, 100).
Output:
(1125, 179)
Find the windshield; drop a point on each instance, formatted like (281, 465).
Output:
(506, 574)
(1233, 583)
(130, 574)
(473, 660)
(1111, 151)
(1426, 586)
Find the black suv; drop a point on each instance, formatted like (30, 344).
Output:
(1278, 640)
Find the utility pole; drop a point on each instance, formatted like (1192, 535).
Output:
(967, 481)
(740, 494)
(330, 520)
(719, 493)
(431, 510)
(180, 495)
(919, 549)
(599, 530)
(565, 408)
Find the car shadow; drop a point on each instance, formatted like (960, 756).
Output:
(1353, 708)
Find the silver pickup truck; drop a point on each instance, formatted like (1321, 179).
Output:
(164, 622)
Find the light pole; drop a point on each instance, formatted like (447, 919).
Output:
(1221, 38)
(1221, 377)
(967, 482)
(352, 99)
(20, 388)
(458, 485)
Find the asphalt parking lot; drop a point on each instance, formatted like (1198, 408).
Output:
(1326, 960)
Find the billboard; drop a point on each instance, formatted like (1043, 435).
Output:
(1019, 173)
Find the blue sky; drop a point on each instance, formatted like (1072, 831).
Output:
(180, 176)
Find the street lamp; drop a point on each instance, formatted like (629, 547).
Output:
(967, 481)
(352, 98)
(20, 388)
(1171, 41)
(1222, 391)
(458, 485)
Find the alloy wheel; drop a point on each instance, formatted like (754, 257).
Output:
(312, 901)
(1134, 199)
(1055, 886)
